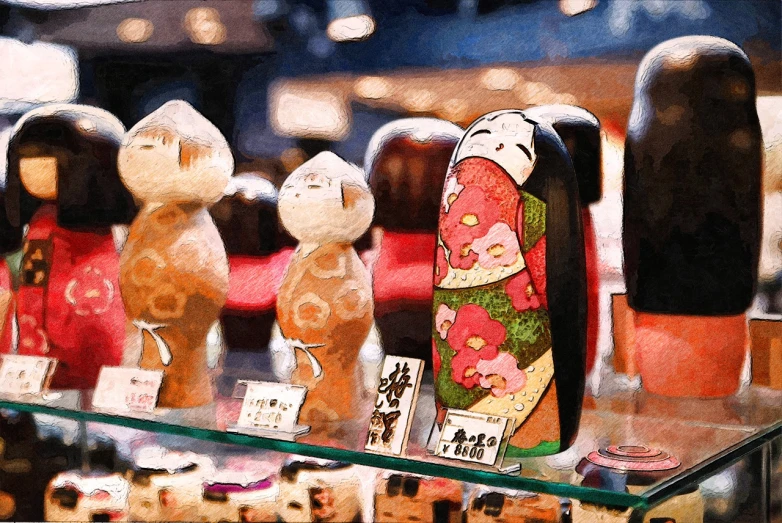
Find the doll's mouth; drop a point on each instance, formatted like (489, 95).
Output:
(500, 147)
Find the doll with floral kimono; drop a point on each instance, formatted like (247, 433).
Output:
(509, 283)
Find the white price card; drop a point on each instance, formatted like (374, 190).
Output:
(471, 436)
(397, 394)
(271, 406)
(25, 374)
(127, 389)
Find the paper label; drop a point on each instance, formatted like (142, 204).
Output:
(25, 374)
(271, 406)
(397, 394)
(471, 436)
(127, 389)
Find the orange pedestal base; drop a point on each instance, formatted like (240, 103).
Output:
(690, 355)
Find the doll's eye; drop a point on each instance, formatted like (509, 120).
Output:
(480, 131)
(525, 151)
(146, 147)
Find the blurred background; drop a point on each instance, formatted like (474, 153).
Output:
(286, 79)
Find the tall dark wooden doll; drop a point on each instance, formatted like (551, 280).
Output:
(406, 162)
(510, 284)
(580, 131)
(63, 182)
(693, 161)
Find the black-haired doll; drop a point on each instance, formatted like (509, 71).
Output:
(63, 184)
(510, 292)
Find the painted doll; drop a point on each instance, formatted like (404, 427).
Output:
(63, 183)
(510, 293)
(73, 496)
(490, 505)
(407, 497)
(693, 160)
(174, 276)
(324, 306)
(580, 132)
(247, 220)
(319, 490)
(406, 162)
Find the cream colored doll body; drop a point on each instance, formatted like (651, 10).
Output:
(174, 269)
(324, 306)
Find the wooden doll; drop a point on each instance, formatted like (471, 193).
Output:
(693, 160)
(324, 306)
(174, 277)
(63, 183)
(510, 294)
(247, 220)
(406, 162)
(499, 505)
(73, 496)
(580, 132)
(407, 497)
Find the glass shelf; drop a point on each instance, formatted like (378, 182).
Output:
(705, 435)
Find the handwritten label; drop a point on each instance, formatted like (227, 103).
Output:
(126, 389)
(389, 427)
(25, 374)
(271, 406)
(471, 436)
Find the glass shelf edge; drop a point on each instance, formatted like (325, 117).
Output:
(666, 490)
(585, 494)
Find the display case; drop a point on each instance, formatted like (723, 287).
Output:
(709, 437)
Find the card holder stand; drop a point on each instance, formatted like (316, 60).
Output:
(239, 392)
(434, 447)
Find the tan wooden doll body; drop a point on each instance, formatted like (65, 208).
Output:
(324, 306)
(174, 270)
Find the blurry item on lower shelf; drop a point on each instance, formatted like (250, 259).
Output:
(167, 485)
(319, 490)
(407, 497)
(766, 346)
(240, 491)
(76, 496)
(632, 468)
(624, 336)
(500, 505)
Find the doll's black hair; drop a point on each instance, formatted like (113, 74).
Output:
(90, 193)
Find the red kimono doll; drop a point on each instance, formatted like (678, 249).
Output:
(63, 184)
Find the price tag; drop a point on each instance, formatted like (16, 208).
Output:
(389, 427)
(126, 389)
(471, 436)
(271, 406)
(25, 374)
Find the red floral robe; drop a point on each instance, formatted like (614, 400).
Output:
(68, 304)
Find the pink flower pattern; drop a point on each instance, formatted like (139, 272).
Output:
(522, 293)
(499, 247)
(501, 374)
(444, 319)
(471, 216)
(474, 335)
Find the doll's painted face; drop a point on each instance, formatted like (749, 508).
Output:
(326, 200)
(38, 169)
(175, 155)
(506, 138)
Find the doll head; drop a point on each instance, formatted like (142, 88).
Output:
(326, 200)
(66, 154)
(175, 155)
(505, 137)
(580, 132)
(406, 162)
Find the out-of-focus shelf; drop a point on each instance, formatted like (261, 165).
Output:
(705, 435)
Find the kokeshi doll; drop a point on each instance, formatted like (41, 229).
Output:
(406, 161)
(167, 485)
(693, 159)
(174, 277)
(241, 491)
(406, 497)
(319, 490)
(73, 496)
(63, 183)
(324, 306)
(509, 312)
(580, 131)
(498, 505)
(247, 220)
